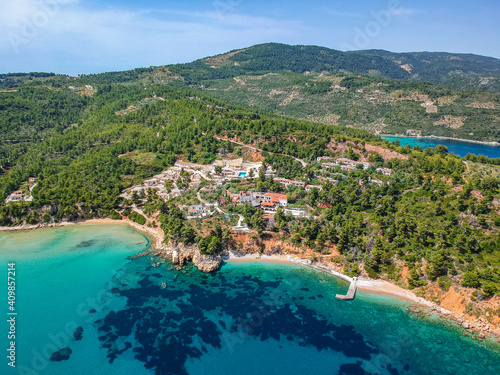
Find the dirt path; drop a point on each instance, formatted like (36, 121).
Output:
(468, 169)
(304, 164)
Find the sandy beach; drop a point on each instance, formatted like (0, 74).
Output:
(379, 287)
(250, 258)
(154, 233)
(365, 285)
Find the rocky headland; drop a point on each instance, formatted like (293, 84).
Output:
(180, 255)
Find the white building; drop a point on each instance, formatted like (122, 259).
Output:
(385, 171)
(311, 187)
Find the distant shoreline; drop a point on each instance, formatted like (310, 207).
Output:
(493, 144)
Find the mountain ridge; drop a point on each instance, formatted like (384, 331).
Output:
(466, 71)
(329, 86)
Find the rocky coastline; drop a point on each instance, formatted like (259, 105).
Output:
(180, 255)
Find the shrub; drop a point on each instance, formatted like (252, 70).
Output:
(138, 218)
(470, 279)
(115, 215)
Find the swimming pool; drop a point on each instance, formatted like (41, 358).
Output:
(242, 174)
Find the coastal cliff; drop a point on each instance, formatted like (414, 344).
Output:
(207, 263)
(181, 255)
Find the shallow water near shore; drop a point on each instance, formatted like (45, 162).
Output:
(246, 318)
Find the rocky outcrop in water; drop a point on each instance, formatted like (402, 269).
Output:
(61, 355)
(181, 258)
(182, 254)
(207, 263)
(78, 335)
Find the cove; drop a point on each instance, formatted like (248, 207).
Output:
(246, 318)
(458, 147)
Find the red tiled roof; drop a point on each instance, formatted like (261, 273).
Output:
(276, 196)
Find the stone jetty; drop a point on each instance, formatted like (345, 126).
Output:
(140, 255)
(351, 292)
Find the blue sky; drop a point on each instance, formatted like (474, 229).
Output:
(77, 36)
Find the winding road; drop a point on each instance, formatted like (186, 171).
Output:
(304, 164)
(215, 205)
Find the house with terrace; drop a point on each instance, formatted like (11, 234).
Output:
(385, 171)
(287, 182)
(269, 202)
(327, 180)
(198, 211)
(16, 196)
(309, 188)
(348, 168)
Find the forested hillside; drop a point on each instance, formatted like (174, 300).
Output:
(461, 71)
(279, 57)
(374, 104)
(457, 70)
(97, 132)
(378, 91)
(435, 214)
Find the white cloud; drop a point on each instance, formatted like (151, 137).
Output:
(92, 40)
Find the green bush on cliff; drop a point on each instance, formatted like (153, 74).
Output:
(115, 215)
(471, 279)
(138, 218)
(210, 245)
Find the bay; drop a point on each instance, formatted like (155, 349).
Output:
(246, 318)
(458, 147)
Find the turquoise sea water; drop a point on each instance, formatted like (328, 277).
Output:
(460, 148)
(247, 318)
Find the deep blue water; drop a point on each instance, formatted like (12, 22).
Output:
(78, 289)
(460, 148)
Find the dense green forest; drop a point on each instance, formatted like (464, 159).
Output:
(280, 57)
(457, 70)
(461, 71)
